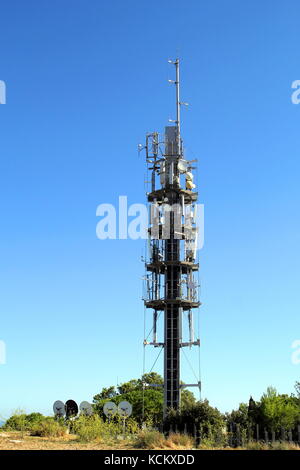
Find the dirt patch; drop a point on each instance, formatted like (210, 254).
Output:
(23, 441)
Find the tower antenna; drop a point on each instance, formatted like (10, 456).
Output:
(177, 86)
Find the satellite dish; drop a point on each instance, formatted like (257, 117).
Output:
(109, 408)
(182, 166)
(125, 409)
(86, 408)
(71, 408)
(59, 408)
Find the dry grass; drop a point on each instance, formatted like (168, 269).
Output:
(272, 446)
(13, 440)
(179, 441)
(17, 440)
(155, 440)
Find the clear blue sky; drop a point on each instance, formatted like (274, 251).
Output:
(85, 81)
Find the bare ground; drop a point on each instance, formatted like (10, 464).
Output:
(23, 441)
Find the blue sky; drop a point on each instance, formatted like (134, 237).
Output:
(85, 81)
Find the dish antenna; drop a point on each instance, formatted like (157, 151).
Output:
(109, 408)
(182, 166)
(71, 408)
(124, 409)
(86, 408)
(59, 408)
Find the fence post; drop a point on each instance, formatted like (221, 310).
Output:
(290, 435)
(242, 438)
(185, 429)
(230, 435)
(220, 438)
(238, 435)
(282, 434)
(200, 434)
(273, 436)
(299, 434)
(249, 435)
(257, 432)
(266, 436)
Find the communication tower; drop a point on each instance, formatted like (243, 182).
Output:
(171, 287)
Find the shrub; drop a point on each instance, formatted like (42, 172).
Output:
(176, 440)
(89, 428)
(16, 422)
(132, 426)
(150, 439)
(34, 418)
(35, 423)
(48, 427)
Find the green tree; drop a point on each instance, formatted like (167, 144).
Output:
(199, 414)
(239, 416)
(105, 394)
(147, 401)
(279, 411)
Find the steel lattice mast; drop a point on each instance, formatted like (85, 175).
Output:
(170, 283)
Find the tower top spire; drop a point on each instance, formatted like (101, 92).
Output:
(176, 82)
(177, 85)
